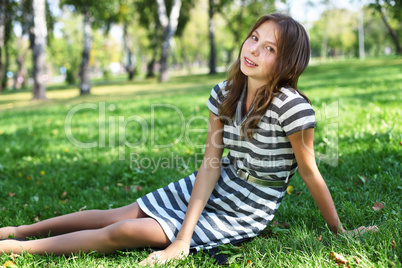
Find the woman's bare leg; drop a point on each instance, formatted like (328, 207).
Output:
(83, 220)
(125, 234)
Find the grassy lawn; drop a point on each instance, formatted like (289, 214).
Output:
(143, 135)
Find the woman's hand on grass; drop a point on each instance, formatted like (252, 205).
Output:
(179, 249)
(361, 230)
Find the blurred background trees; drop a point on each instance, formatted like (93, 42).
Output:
(84, 40)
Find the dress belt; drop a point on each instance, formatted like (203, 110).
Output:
(273, 184)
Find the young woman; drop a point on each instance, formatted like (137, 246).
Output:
(267, 125)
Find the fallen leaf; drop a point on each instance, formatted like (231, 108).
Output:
(119, 184)
(337, 258)
(64, 194)
(14, 256)
(356, 259)
(377, 206)
(28, 177)
(36, 219)
(362, 178)
(10, 194)
(319, 238)
(290, 189)
(83, 208)
(393, 244)
(9, 263)
(249, 263)
(400, 143)
(126, 188)
(139, 188)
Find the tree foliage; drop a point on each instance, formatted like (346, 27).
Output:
(393, 8)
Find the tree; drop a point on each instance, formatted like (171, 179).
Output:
(95, 14)
(37, 21)
(334, 34)
(65, 51)
(38, 36)
(7, 17)
(376, 38)
(169, 27)
(150, 19)
(211, 31)
(394, 7)
(125, 16)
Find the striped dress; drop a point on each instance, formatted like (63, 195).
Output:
(238, 209)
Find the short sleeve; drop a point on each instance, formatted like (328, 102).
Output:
(296, 114)
(216, 96)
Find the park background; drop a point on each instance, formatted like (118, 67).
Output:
(104, 101)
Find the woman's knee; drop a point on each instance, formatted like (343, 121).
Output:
(119, 231)
(136, 233)
(128, 212)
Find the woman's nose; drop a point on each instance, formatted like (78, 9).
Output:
(254, 49)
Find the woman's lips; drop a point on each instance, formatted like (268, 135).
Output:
(249, 62)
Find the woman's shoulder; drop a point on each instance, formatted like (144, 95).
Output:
(219, 91)
(287, 94)
(220, 88)
(289, 99)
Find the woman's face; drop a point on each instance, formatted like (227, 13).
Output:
(258, 54)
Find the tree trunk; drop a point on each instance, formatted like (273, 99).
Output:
(154, 44)
(212, 54)
(169, 26)
(5, 67)
(2, 36)
(127, 44)
(38, 49)
(85, 85)
(236, 29)
(21, 77)
(391, 32)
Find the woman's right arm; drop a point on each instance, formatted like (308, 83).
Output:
(207, 177)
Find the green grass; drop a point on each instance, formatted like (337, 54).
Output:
(358, 112)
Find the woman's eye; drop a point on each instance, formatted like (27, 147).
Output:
(254, 38)
(270, 49)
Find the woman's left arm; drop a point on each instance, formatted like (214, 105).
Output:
(303, 147)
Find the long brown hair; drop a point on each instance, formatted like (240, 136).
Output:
(293, 54)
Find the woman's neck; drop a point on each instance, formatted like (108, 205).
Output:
(252, 88)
